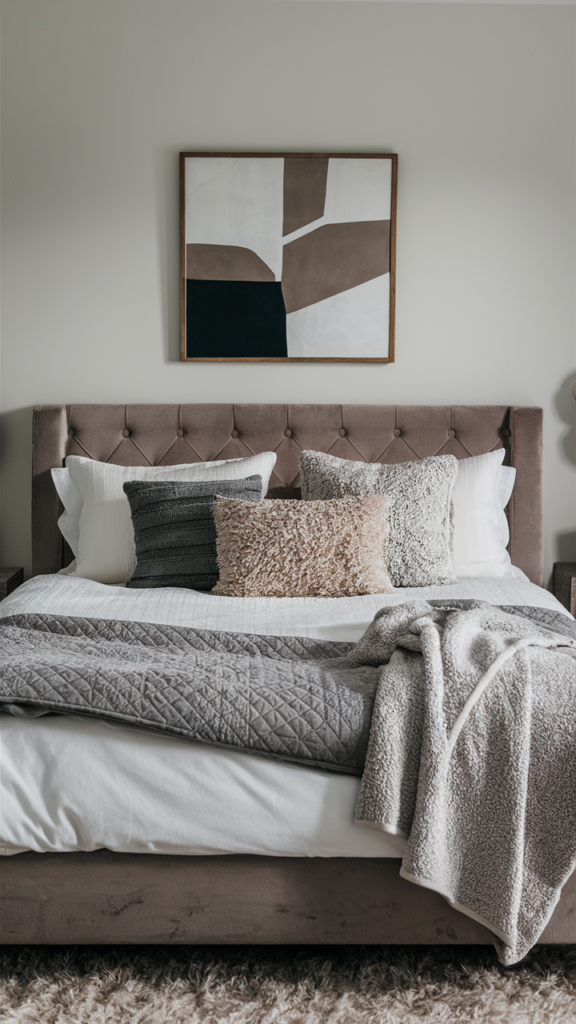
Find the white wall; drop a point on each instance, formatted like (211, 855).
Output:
(478, 101)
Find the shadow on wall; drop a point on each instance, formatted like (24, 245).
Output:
(566, 546)
(16, 471)
(566, 407)
(168, 227)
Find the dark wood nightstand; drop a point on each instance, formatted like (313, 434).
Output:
(9, 580)
(564, 584)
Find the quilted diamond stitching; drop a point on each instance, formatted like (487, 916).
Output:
(281, 695)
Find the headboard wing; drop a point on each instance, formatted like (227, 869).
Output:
(140, 435)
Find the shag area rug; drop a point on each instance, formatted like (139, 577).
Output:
(285, 985)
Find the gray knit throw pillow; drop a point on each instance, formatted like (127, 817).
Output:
(420, 513)
(174, 529)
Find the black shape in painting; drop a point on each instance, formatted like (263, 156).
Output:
(235, 319)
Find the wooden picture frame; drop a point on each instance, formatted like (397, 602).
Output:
(288, 257)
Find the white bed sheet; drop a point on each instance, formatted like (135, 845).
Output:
(342, 618)
(70, 784)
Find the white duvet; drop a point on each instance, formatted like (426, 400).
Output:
(70, 784)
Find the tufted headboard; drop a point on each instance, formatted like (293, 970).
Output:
(163, 435)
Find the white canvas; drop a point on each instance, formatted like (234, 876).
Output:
(353, 324)
(237, 201)
(357, 190)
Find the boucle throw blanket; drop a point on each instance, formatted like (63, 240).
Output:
(468, 712)
(471, 756)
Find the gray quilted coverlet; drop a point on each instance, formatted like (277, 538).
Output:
(284, 697)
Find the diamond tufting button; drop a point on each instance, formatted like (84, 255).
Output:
(71, 432)
(342, 432)
(505, 432)
(234, 433)
(287, 432)
(397, 432)
(125, 433)
(180, 433)
(451, 433)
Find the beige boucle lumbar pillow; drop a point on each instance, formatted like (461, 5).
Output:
(287, 548)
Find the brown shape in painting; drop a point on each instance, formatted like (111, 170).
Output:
(225, 263)
(304, 191)
(332, 259)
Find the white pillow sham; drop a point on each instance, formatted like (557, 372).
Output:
(71, 497)
(481, 493)
(105, 538)
(505, 486)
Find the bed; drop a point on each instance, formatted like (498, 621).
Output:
(278, 860)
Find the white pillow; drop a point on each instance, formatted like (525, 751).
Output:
(505, 486)
(105, 546)
(71, 497)
(482, 491)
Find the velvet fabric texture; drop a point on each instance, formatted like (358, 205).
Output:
(174, 530)
(286, 548)
(421, 516)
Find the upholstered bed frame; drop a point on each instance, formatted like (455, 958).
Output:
(164, 435)
(105, 897)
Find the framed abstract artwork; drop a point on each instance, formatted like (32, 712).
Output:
(288, 257)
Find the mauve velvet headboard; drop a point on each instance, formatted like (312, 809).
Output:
(141, 435)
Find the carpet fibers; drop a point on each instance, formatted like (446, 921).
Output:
(285, 985)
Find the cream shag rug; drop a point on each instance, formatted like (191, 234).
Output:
(285, 985)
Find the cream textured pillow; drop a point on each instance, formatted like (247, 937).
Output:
(106, 551)
(420, 517)
(285, 548)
